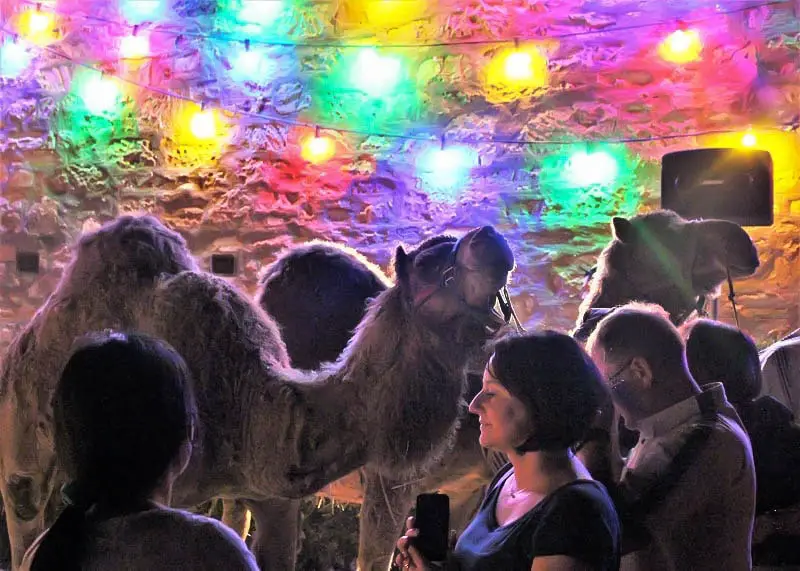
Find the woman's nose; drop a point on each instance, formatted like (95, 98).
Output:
(475, 404)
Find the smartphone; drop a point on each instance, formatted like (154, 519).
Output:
(432, 519)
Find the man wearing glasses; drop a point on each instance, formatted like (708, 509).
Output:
(687, 489)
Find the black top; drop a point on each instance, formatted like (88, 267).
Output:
(775, 440)
(577, 520)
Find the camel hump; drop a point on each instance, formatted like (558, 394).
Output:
(221, 333)
(325, 264)
(201, 309)
(138, 247)
(318, 293)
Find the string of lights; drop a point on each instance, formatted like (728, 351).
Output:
(441, 138)
(378, 89)
(228, 38)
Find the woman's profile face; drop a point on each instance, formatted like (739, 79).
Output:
(503, 419)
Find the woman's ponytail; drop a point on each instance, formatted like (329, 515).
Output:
(63, 546)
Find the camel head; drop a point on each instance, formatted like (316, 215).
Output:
(446, 279)
(662, 258)
(128, 251)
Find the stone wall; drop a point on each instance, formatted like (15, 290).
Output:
(45, 206)
(258, 197)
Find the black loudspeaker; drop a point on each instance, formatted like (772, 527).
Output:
(728, 184)
(27, 262)
(223, 264)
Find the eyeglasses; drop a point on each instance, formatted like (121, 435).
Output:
(615, 379)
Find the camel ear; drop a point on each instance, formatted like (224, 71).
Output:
(622, 229)
(400, 264)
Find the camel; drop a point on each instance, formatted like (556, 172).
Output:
(317, 293)
(661, 258)
(392, 401)
(697, 249)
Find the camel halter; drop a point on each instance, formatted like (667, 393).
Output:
(700, 303)
(700, 307)
(448, 277)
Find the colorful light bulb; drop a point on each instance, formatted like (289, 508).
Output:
(681, 46)
(445, 171)
(515, 73)
(518, 66)
(386, 13)
(318, 149)
(374, 74)
(203, 125)
(134, 47)
(260, 12)
(14, 58)
(749, 139)
(38, 26)
(138, 11)
(251, 65)
(587, 169)
(100, 95)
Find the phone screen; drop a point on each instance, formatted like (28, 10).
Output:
(432, 519)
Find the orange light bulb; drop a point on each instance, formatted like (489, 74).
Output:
(318, 149)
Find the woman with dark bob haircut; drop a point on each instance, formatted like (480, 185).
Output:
(541, 394)
(124, 419)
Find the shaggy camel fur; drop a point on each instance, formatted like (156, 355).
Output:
(662, 258)
(265, 430)
(317, 294)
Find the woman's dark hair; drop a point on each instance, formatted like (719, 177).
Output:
(557, 382)
(718, 352)
(122, 409)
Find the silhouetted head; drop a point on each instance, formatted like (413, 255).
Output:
(718, 352)
(318, 294)
(123, 416)
(641, 356)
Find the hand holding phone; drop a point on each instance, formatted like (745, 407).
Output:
(432, 521)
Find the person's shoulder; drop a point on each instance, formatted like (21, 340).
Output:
(726, 454)
(219, 544)
(579, 520)
(590, 492)
(586, 497)
(730, 434)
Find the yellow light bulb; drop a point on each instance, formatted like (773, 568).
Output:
(318, 149)
(749, 140)
(203, 125)
(38, 27)
(681, 46)
(516, 72)
(38, 23)
(519, 66)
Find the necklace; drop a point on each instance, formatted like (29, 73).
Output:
(516, 490)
